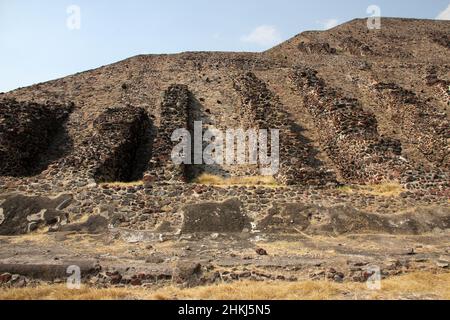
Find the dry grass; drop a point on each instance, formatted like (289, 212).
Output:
(387, 189)
(412, 286)
(247, 290)
(123, 184)
(61, 292)
(209, 179)
(416, 284)
(35, 238)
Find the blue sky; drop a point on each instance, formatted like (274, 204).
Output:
(37, 45)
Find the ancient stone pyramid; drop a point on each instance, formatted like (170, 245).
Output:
(353, 106)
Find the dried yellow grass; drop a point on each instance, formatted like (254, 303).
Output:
(419, 285)
(122, 184)
(416, 284)
(387, 189)
(38, 237)
(61, 292)
(209, 179)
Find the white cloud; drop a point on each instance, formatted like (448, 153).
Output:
(329, 23)
(444, 15)
(263, 36)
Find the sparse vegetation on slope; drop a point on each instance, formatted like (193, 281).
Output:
(387, 189)
(209, 179)
(122, 184)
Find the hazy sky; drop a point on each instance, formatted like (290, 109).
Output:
(40, 39)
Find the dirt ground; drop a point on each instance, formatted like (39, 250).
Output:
(231, 266)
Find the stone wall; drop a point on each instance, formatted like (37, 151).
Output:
(422, 124)
(261, 109)
(349, 134)
(160, 208)
(27, 131)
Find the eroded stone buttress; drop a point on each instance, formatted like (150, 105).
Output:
(177, 113)
(424, 127)
(348, 133)
(441, 86)
(261, 109)
(2, 216)
(27, 130)
(123, 144)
